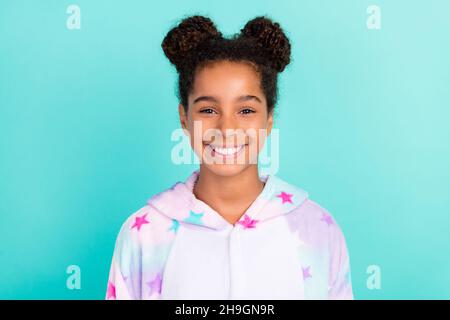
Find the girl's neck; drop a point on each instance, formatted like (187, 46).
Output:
(230, 196)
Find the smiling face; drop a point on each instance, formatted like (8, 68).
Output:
(227, 112)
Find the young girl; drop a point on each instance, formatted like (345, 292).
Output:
(226, 232)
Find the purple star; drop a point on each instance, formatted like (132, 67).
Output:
(155, 284)
(327, 219)
(306, 273)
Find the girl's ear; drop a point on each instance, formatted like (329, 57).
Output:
(183, 119)
(270, 122)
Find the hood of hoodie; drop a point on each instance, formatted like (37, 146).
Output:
(179, 203)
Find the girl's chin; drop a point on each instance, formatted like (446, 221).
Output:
(226, 169)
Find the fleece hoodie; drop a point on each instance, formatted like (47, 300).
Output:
(285, 246)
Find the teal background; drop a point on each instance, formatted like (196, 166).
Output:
(86, 117)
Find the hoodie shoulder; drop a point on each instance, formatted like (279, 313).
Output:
(321, 236)
(147, 226)
(141, 250)
(315, 216)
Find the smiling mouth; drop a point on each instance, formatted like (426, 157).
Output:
(225, 152)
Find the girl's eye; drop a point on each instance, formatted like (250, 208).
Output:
(207, 110)
(247, 111)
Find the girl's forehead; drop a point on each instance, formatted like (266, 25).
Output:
(227, 77)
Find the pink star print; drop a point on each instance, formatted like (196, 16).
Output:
(111, 292)
(306, 273)
(285, 197)
(248, 222)
(139, 222)
(327, 219)
(155, 284)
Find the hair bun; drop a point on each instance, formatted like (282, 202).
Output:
(270, 37)
(188, 35)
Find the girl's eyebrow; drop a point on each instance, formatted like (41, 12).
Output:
(205, 98)
(247, 98)
(238, 99)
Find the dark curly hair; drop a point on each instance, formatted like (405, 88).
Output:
(196, 42)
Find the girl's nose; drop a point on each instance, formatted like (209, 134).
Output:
(227, 125)
(230, 130)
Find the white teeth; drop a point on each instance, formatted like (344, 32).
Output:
(227, 151)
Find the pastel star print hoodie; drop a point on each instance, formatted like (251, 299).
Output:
(285, 246)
